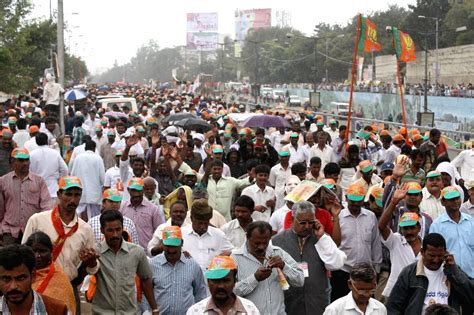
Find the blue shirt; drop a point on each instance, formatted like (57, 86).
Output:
(459, 239)
(177, 288)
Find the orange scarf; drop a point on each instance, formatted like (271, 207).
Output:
(62, 236)
(45, 282)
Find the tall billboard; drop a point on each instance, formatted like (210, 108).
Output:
(202, 41)
(251, 19)
(202, 22)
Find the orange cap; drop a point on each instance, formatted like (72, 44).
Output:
(402, 131)
(398, 137)
(355, 192)
(414, 188)
(33, 129)
(417, 137)
(385, 132)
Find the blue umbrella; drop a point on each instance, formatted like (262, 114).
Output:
(73, 95)
(103, 88)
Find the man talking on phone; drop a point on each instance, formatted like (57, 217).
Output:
(265, 270)
(316, 253)
(428, 282)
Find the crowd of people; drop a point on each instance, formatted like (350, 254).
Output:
(135, 214)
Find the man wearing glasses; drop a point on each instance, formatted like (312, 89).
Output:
(315, 253)
(362, 283)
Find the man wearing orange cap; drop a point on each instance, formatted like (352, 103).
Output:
(395, 149)
(222, 278)
(357, 245)
(365, 175)
(22, 193)
(31, 144)
(146, 216)
(73, 237)
(188, 285)
(404, 246)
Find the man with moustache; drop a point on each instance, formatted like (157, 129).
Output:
(178, 213)
(221, 278)
(73, 238)
(260, 267)
(120, 261)
(17, 263)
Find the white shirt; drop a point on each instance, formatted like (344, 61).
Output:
(75, 152)
(437, 292)
(157, 235)
(112, 176)
(392, 153)
(277, 178)
(89, 167)
(31, 145)
(401, 255)
(203, 248)
(20, 137)
(431, 205)
(278, 218)
(465, 162)
(200, 307)
(49, 164)
(91, 124)
(326, 154)
(297, 156)
(99, 142)
(275, 139)
(347, 306)
(51, 93)
(234, 233)
(260, 197)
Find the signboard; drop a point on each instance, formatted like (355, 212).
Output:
(251, 19)
(314, 99)
(202, 22)
(202, 41)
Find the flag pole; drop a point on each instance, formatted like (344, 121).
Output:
(402, 99)
(354, 69)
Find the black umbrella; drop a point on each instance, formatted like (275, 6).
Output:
(179, 116)
(194, 123)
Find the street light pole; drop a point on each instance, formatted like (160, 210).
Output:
(60, 45)
(437, 53)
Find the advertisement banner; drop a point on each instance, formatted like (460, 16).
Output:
(202, 41)
(251, 19)
(202, 22)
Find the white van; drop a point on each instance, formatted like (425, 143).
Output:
(108, 103)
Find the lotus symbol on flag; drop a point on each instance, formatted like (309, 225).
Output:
(408, 42)
(372, 34)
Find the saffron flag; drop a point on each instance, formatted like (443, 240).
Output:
(368, 35)
(404, 45)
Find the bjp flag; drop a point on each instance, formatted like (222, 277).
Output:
(368, 35)
(404, 45)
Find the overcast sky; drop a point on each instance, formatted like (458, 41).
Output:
(103, 31)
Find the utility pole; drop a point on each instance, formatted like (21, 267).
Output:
(257, 86)
(425, 97)
(326, 61)
(60, 35)
(315, 77)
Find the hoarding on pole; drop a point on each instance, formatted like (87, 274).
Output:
(202, 22)
(202, 41)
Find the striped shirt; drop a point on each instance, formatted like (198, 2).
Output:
(176, 288)
(267, 295)
(20, 199)
(128, 226)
